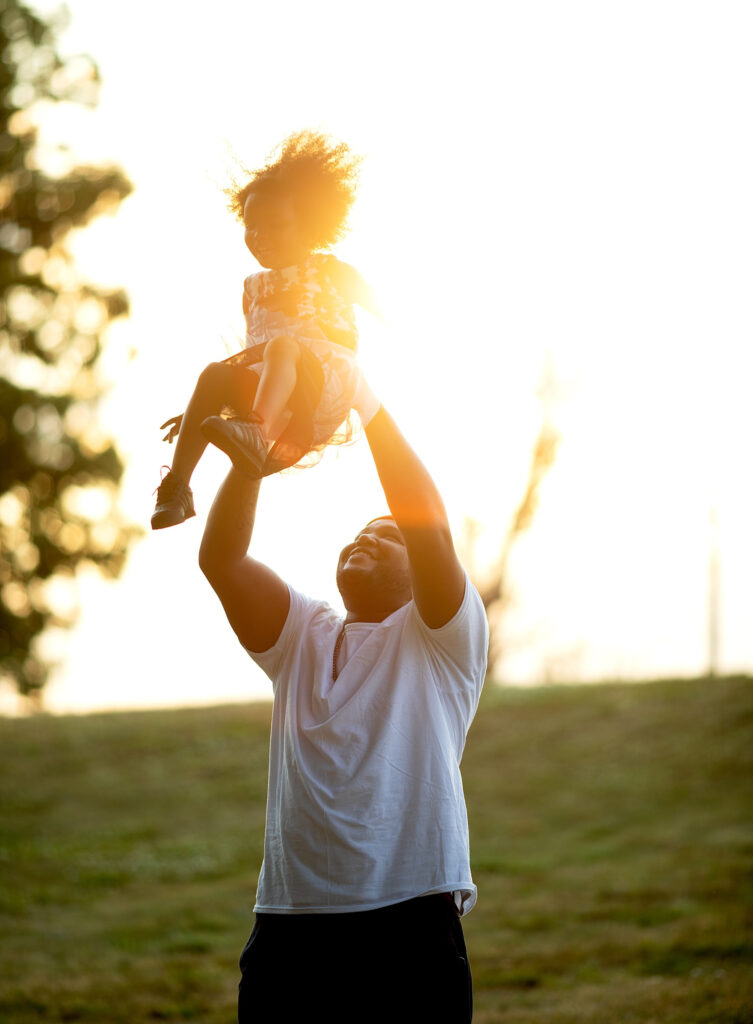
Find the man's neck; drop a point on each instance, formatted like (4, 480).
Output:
(371, 614)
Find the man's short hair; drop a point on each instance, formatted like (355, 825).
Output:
(378, 519)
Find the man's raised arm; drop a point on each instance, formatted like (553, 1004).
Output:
(255, 599)
(436, 574)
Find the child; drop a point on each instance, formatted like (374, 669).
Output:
(296, 382)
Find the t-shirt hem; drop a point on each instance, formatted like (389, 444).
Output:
(465, 889)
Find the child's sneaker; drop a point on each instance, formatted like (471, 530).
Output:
(241, 441)
(174, 503)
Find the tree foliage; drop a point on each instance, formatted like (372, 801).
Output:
(58, 473)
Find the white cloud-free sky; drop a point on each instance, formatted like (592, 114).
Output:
(544, 182)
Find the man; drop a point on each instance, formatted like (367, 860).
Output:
(366, 866)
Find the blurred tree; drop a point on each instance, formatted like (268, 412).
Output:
(494, 585)
(496, 592)
(58, 473)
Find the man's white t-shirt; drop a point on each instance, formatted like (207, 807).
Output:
(365, 804)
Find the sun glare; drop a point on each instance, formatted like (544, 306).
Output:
(548, 193)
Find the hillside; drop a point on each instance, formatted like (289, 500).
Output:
(612, 843)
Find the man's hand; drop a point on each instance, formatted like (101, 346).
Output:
(365, 402)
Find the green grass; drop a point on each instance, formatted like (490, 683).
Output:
(612, 843)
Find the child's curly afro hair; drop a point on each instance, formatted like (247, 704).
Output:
(319, 175)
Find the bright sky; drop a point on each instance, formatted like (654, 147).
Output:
(543, 181)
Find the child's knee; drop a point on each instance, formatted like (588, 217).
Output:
(214, 380)
(211, 374)
(282, 349)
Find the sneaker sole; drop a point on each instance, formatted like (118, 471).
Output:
(161, 520)
(239, 457)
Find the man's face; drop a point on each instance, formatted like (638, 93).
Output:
(373, 570)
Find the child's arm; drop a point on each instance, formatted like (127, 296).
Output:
(354, 288)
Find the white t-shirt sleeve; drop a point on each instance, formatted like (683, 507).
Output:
(459, 649)
(272, 661)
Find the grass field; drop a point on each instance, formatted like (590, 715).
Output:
(612, 843)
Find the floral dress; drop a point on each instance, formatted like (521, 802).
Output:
(304, 303)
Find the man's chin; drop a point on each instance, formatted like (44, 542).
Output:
(354, 577)
(364, 586)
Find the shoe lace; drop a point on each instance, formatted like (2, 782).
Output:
(168, 485)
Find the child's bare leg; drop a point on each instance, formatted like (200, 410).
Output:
(276, 385)
(219, 385)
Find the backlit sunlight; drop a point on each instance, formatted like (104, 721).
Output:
(555, 213)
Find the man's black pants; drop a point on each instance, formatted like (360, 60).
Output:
(402, 964)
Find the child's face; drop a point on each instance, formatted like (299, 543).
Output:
(273, 235)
